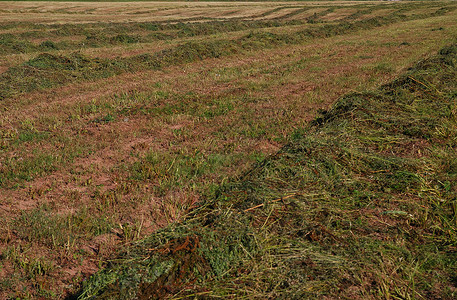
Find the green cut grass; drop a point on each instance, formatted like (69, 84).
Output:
(359, 204)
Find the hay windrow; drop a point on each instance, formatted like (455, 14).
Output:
(361, 203)
(46, 70)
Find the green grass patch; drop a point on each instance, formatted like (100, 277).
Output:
(59, 231)
(172, 172)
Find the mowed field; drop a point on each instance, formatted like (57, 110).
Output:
(116, 119)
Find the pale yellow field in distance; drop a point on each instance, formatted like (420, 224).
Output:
(85, 12)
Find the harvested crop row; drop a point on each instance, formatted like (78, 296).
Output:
(48, 70)
(55, 37)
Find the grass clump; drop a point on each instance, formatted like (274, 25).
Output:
(9, 43)
(360, 203)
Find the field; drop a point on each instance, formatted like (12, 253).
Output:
(176, 137)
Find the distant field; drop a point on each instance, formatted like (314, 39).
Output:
(84, 12)
(117, 118)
